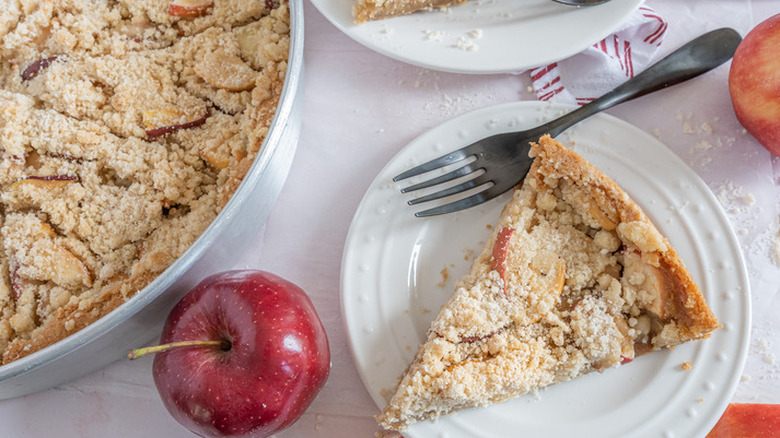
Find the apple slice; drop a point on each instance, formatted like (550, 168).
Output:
(159, 122)
(47, 230)
(16, 283)
(226, 71)
(190, 8)
(500, 250)
(249, 40)
(33, 69)
(260, 43)
(654, 289)
(68, 270)
(602, 218)
(551, 270)
(658, 287)
(51, 182)
(59, 264)
(457, 365)
(136, 28)
(215, 159)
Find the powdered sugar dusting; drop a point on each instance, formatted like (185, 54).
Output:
(737, 204)
(465, 42)
(434, 35)
(466, 45)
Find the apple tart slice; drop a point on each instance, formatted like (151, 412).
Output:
(574, 278)
(370, 10)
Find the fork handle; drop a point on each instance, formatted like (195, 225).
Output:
(689, 61)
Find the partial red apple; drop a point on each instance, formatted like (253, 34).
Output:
(267, 360)
(754, 83)
(189, 8)
(754, 420)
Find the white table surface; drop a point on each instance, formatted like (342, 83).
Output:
(360, 109)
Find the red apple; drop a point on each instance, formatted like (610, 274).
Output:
(754, 83)
(752, 420)
(267, 358)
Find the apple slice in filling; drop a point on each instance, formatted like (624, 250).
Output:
(35, 67)
(45, 182)
(549, 268)
(649, 282)
(189, 8)
(159, 122)
(500, 250)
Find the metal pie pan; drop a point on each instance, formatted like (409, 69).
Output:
(140, 319)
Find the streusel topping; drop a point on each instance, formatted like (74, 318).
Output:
(125, 126)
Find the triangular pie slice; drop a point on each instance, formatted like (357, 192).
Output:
(574, 278)
(369, 10)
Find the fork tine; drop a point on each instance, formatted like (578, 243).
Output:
(454, 190)
(444, 160)
(455, 174)
(462, 204)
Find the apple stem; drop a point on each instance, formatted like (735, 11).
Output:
(138, 352)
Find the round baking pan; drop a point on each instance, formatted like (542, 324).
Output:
(140, 319)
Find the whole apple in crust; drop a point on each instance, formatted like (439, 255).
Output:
(270, 360)
(754, 83)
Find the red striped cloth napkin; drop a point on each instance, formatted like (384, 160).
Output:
(604, 65)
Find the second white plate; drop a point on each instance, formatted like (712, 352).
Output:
(493, 36)
(398, 270)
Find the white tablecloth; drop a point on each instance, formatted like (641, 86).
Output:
(360, 109)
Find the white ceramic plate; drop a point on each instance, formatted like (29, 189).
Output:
(393, 285)
(484, 36)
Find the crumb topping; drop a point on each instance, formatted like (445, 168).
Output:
(125, 127)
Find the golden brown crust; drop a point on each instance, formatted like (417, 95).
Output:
(79, 314)
(66, 321)
(574, 278)
(615, 203)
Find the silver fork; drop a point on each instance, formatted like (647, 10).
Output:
(501, 161)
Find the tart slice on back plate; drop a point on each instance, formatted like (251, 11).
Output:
(369, 10)
(574, 278)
